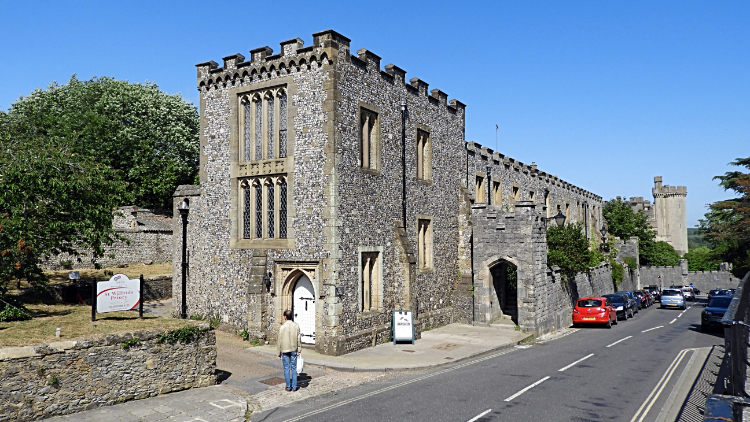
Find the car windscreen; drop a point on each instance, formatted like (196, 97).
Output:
(671, 293)
(589, 303)
(616, 299)
(713, 292)
(719, 302)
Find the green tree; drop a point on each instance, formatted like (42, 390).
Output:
(147, 137)
(53, 199)
(624, 223)
(659, 253)
(568, 248)
(727, 223)
(702, 259)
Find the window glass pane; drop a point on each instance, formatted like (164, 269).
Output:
(270, 211)
(282, 125)
(248, 146)
(247, 215)
(258, 211)
(270, 132)
(282, 209)
(259, 130)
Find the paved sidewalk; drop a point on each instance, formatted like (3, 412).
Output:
(441, 346)
(252, 378)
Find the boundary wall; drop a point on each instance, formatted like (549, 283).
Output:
(70, 376)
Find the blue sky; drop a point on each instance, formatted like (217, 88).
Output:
(604, 94)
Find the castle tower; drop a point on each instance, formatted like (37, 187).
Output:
(670, 214)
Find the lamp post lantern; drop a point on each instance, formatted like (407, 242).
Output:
(184, 209)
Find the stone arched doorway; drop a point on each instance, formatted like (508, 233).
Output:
(298, 295)
(504, 276)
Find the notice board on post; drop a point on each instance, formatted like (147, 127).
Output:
(403, 326)
(118, 294)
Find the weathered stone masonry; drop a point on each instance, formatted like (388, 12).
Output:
(342, 172)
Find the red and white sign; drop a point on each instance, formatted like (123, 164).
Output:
(118, 294)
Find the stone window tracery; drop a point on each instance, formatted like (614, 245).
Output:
(264, 208)
(264, 125)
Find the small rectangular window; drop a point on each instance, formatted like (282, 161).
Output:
(424, 251)
(479, 190)
(497, 194)
(368, 139)
(424, 156)
(369, 282)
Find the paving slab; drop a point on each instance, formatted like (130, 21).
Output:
(441, 346)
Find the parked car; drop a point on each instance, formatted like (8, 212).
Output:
(644, 297)
(688, 292)
(594, 310)
(729, 292)
(637, 300)
(715, 292)
(673, 298)
(654, 290)
(623, 306)
(714, 311)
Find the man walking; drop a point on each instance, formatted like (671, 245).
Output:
(290, 346)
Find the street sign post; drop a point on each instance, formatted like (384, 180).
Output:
(403, 326)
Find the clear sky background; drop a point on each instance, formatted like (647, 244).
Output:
(604, 94)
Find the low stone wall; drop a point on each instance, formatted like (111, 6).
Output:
(67, 377)
(143, 247)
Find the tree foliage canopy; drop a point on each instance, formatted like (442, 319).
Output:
(659, 253)
(149, 139)
(568, 248)
(727, 223)
(52, 199)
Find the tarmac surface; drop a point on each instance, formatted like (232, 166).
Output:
(251, 378)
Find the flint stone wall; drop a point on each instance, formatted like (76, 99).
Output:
(678, 276)
(95, 373)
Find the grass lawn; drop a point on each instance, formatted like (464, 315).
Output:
(75, 323)
(132, 271)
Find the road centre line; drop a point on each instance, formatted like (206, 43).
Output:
(383, 390)
(661, 326)
(623, 339)
(479, 415)
(672, 321)
(578, 361)
(527, 389)
(651, 399)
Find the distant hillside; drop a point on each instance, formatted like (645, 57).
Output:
(695, 240)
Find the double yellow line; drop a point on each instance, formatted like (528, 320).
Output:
(651, 399)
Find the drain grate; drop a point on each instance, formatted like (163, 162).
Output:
(408, 351)
(449, 358)
(447, 346)
(273, 381)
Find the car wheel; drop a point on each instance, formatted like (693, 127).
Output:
(609, 323)
(615, 321)
(625, 318)
(704, 328)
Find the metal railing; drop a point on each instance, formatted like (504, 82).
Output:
(736, 332)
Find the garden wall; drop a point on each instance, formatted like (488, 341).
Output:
(71, 376)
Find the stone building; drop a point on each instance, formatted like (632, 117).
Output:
(667, 215)
(343, 192)
(148, 239)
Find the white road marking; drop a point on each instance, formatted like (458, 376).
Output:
(679, 315)
(527, 389)
(672, 321)
(578, 361)
(619, 341)
(661, 326)
(651, 399)
(479, 415)
(382, 390)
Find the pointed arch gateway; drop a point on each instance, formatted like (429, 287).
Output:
(298, 293)
(501, 280)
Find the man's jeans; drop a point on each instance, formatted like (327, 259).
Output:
(290, 369)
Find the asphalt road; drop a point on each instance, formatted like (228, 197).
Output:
(593, 374)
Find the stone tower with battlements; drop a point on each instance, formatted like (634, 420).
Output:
(670, 215)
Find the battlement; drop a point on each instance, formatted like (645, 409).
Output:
(293, 57)
(498, 159)
(667, 190)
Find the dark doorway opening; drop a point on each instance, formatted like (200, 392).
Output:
(505, 281)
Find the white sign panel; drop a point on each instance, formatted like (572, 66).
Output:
(118, 294)
(403, 326)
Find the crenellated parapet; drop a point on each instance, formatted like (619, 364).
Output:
(294, 57)
(530, 170)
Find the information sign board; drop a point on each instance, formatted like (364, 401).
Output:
(403, 326)
(118, 294)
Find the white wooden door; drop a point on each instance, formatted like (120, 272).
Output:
(303, 307)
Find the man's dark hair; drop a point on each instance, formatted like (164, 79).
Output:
(288, 314)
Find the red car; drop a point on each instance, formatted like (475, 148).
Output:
(594, 310)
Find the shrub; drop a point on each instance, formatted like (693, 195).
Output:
(183, 335)
(13, 311)
(618, 271)
(130, 343)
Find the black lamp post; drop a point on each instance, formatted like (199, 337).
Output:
(605, 247)
(267, 281)
(184, 209)
(559, 218)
